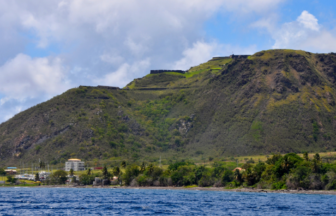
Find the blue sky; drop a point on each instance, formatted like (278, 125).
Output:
(48, 47)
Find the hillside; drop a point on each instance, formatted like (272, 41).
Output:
(273, 101)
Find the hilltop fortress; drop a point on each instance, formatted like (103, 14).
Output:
(213, 59)
(231, 56)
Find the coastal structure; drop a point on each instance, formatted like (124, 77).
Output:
(230, 57)
(101, 86)
(163, 71)
(74, 164)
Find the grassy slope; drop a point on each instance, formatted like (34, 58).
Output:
(275, 101)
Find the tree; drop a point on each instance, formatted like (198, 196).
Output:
(105, 172)
(305, 156)
(317, 157)
(131, 173)
(143, 167)
(11, 179)
(42, 164)
(227, 176)
(238, 176)
(272, 160)
(123, 164)
(37, 177)
(116, 171)
(59, 177)
(86, 179)
(2, 172)
(71, 172)
(150, 168)
(88, 171)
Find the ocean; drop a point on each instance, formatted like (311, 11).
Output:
(83, 201)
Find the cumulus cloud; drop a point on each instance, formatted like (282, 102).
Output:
(123, 74)
(304, 33)
(23, 77)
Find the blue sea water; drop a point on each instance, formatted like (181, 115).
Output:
(72, 201)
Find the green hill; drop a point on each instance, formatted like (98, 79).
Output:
(273, 101)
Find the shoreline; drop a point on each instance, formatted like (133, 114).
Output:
(238, 190)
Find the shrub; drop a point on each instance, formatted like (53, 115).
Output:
(131, 172)
(227, 177)
(279, 185)
(86, 179)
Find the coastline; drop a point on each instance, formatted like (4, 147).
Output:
(238, 190)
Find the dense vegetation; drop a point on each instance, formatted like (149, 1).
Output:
(275, 101)
(279, 172)
(289, 171)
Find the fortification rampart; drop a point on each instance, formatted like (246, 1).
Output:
(108, 87)
(230, 57)
(162, 71)
(239, 56)
(100, 86)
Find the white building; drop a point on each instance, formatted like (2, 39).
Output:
(74, 164)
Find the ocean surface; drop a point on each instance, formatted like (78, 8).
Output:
(72, 201)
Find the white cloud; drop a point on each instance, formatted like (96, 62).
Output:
(308, 21)
(23, 77)
(123, 74)
(304, 33)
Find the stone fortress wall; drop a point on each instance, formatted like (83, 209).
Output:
(100, 86)
(230, 57)
(162, 71)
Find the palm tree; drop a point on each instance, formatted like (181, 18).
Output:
(237, 175)
(150, 168)
(88, 171)
(305, 156)
(143, 167)
(71, 172)
(285, 163)
(317, 157)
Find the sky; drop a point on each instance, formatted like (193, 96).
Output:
(48, 47)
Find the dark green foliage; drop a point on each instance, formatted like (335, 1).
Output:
(105, 173)
(113, 144)
(184, 175)
(315, 130)
(86, 179)
(37, 177)
(116, 171)
(10, 179)
(58, 177)
(2, 172)
(228, 176)
(131, 173)
(273, 159)
(176, 165)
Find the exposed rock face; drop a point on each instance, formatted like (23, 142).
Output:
(184, 125)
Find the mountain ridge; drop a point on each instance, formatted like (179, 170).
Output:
(272, 101)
